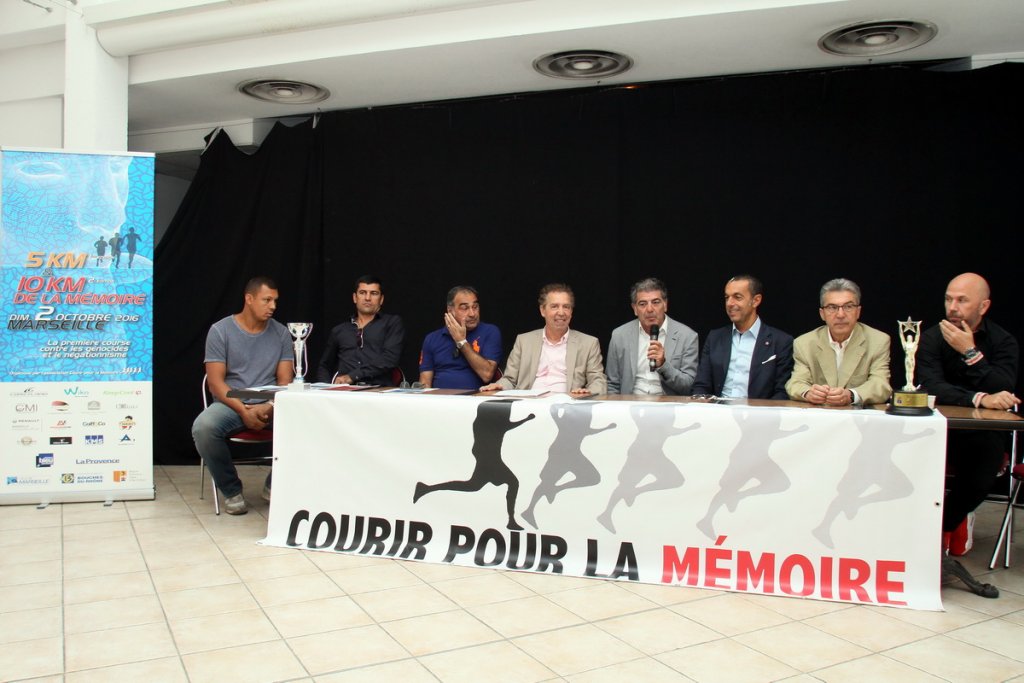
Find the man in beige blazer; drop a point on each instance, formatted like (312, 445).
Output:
(555, 358)
(843, 362)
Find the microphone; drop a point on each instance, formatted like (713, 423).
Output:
(654, 337)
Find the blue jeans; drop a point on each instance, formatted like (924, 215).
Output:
(210, 431)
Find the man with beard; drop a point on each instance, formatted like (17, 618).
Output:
(464, 353)
(365, 349)
(968, 360)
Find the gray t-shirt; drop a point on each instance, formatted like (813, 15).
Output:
(250, 359)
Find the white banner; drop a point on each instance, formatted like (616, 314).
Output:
(840, 505)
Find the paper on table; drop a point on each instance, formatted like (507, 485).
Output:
(521, 392)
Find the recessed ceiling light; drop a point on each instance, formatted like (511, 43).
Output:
(284, 92)
(868, 39)
(578, 64)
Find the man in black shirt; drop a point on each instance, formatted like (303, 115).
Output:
(365, 349)
(966, 360)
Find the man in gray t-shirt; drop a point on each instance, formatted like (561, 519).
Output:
(246, 349)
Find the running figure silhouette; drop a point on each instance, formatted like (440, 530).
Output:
(646, 457)
(565, 455)
(489, 428)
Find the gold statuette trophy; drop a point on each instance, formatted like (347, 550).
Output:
(909, 400)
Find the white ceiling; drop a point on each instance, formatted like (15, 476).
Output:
(188, 56)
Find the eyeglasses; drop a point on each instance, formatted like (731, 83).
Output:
(832, 309)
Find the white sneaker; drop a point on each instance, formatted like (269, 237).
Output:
(266, 493)
(235, 505)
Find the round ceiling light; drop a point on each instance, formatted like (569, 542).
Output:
(577, 64)
(284, 92)
(877, 38)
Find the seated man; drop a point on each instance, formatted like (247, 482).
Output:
(554, 358)
(843, 362)
(464, 353)
(748, 359)
(967, 360)
(640, 364)
(247, 349)
(365, 349)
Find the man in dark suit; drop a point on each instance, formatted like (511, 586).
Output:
(747, 359)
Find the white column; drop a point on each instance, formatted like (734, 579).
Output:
(95, 92)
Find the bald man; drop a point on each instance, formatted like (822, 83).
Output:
(967, 360)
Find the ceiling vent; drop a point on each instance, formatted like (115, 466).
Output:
(582, 64)
(284, 92)
(873, 38)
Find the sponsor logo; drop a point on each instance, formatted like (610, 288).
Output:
(92, 405)
(96, 461)
(90, 479)
(94, 423)
(67, 478)
(26, 440)
(60, 424)
(23, 423)
(27, 392)
(127, 423)
(25, 407)
(93, 439)
(122, 392)
(26, 480)
(126, 406)
(126, 441)
(60, 406)
(44, 460)
(60, 440)
(120, 475)
(75, 391)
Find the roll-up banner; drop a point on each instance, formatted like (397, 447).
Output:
(76, 351)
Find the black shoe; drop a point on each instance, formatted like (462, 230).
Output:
(952, 567)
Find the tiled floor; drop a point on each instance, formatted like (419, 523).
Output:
(165, 591)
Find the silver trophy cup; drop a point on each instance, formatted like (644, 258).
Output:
(299, 332)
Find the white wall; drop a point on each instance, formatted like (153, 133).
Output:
(32, 123)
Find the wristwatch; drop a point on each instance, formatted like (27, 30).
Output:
(460, 344)
(971, 353)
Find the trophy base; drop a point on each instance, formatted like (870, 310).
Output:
(298, 385)
(909, 403)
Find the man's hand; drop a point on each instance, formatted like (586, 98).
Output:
(494, 386)
(456, 329)
(343, 379)
(818, 393)
(959, 337)
(581, 392)
(1003, 400)
(656, 351)
(838, 396)
(256, 417)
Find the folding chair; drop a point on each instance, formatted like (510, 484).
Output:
(249, 437)
(1006, 530)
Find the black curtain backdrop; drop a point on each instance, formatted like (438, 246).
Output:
(896, 177)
